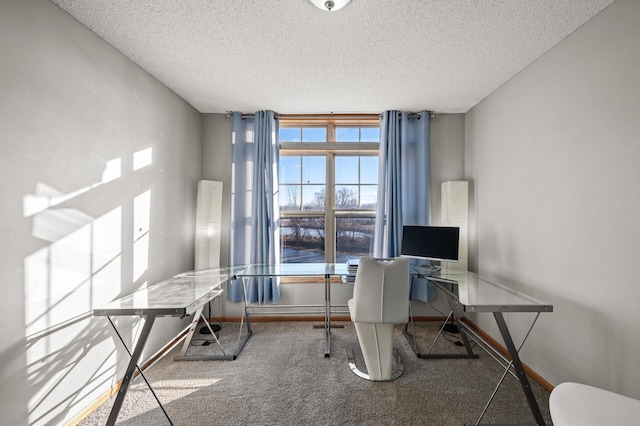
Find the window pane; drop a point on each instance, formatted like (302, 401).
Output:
(347, 197)
(370, 134)
(304, 187)
(354, 238)
(313, 197)
(314, 134)
(369, 170)
(290, 134)
(290, 197)
(347, 134)
(346, 170)
(302, 239)
(314, 169)
(368, 197)
(289, 169)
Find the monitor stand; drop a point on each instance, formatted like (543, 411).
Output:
(427, 270)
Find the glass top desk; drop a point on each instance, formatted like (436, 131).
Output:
(186, 295)
(478, 294)
(469, 292)
(180, 296)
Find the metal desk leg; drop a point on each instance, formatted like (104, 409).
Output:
(327, 315)
(224, 357)
(245, 317)
(189, 336)
(133, 364)
(411, 337)
(430, 355)
(517, 366)
(187, 340)
(463, 336)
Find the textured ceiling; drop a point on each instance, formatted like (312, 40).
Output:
(370, 56)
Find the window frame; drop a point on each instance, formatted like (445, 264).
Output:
(330, 149)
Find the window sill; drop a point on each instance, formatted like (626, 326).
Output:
(307, 280)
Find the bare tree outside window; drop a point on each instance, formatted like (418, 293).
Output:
(292, 197)
(346, 199)
(320, 199)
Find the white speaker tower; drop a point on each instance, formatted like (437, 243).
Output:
(455, 212)
(208, 224)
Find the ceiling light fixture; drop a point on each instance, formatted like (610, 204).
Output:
(329, 5)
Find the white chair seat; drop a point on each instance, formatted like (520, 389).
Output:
(573, 404)
(380, 300)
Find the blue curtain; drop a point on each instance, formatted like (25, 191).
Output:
(254, 203)
(403, 185)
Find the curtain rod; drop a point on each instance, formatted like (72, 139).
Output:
(328, 116)
(315, 116)
(432, 115)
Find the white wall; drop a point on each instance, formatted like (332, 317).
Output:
(81, 220)
(554, 160)
(447, 163)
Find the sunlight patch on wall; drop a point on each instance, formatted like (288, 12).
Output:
(55, 224)
(142, 158)
(56, 362)
(79, 269)
(107, 258)
(55, 281)
(112, 171)
(46, 196)
(48, 379)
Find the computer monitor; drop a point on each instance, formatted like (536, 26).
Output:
(431, 242)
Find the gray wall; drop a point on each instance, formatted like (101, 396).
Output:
(447, 156)
(79, 225)
(447, 163)
(554, 160)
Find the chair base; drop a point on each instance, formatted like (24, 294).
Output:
(397, 368)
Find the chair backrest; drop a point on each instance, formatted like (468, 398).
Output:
(381, 291)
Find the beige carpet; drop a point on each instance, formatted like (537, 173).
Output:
(283, 378)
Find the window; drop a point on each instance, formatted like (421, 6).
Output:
(328, 176)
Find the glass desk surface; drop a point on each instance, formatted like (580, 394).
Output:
(478, 294)
(178, 296)
(294, 269)
(182, 294)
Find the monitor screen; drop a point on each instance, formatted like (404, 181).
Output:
(431, 242)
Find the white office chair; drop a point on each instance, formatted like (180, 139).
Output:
(573, 404)
(380, 300)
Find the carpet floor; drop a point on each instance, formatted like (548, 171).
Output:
(283, 378)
